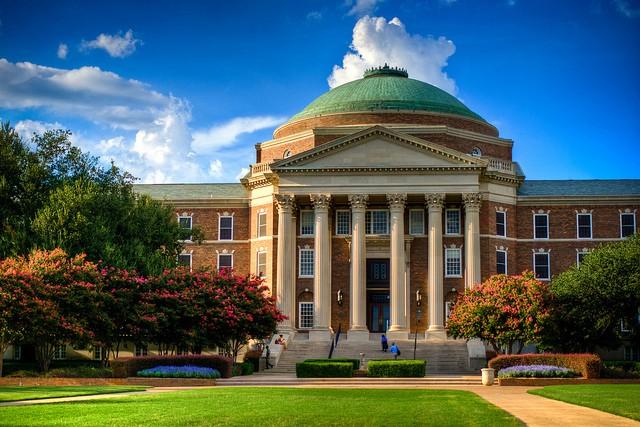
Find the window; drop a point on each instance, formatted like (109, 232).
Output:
(541, 265)
(141, 350)
(452, 219)
(628, 353)
(476, 152)
(306, 315)
(501, 224)
(501, 262)
(261, 264)
(17, 352)
(184, 260)
(416, 221)
(305, 269)
(453, 262)
(60, 352)
(584, 226)
(186, 224)
(286, 154)
(627, 224)
(343, 222)
(306, 223)
(580, 257)
(377, 222)
(225, 261)
(541, 226)
(99, 352)
(624, 326)
(225, 228)
(262, 224)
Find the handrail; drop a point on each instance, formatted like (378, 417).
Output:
(334, 342)
(501, 165)
(260, 168)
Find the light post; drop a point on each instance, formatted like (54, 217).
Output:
(418, 316)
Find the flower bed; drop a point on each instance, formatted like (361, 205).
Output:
(536, 371)
(129, 367)
(186, 371)
(587, 365)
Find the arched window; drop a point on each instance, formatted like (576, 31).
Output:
(476, 152)
(287, 153)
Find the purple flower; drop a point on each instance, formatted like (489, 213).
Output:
(186, 371)
(543, 371)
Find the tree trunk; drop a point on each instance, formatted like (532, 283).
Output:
(495, 347)
(520, 346)
(3, 348)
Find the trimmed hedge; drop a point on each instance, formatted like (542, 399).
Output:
(587, 365)
(244, 368)
(11, 366)
(397, 368)
(130, 366)
(324, 370)
(354, 362)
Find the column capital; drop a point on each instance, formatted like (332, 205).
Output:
(358, 201)
(434, 200)
(471, 200)
(397, 201)
(320, 201)
(285, 201)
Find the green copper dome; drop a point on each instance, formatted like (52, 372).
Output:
(385, 88)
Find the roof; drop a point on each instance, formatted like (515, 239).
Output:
(586, 187)
(192, 191)
(385, 88)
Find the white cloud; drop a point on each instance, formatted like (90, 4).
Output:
(63, 50)
(242, 173)
(26, 128)
(117, 45)
(377, 41)
(362, 7)
(213, 139)
(627, 9)
(215, 168)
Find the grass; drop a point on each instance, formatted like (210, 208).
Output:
(241, 406)
(618, 399)
(9, 394)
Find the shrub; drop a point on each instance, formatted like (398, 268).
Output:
(184, 371)
(130, 366)
(81, 372)
(536, 371)
(246, 368)
(622, 369)
(324, 370)
(24, 374)
(354, 362)
(396, 368)
(587, 365)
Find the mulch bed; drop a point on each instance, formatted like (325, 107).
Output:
(562, 381)
(151, 382)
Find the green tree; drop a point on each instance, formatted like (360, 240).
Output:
(593, 299)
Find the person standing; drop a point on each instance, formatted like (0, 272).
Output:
(395, 350)
(384, 343)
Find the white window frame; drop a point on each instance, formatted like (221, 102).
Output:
(548, 254)
(446, 221)
(348, 212)
(99, 351)
(633, 214)
(504, 217)
(310, 212)
(218, 267)
(506, 261)
(446, 257)
(624, 327)
(258, 226)
(190, 260)
(578, 256)
(411, 224)
(262, 273)
(60, 352)
(301, 317)
(578, 215)
(141, 350)
(300, 251)
(220, 229)
(190, 218)
(369, 227)
(534, 226)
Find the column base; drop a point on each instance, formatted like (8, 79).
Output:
(358, 335)
(320, 335)
(397, 334)
(436, 332)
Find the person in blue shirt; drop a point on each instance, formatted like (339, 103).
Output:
(394, 350)
(384, 343)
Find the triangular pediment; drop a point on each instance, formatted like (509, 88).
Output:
(378, 148)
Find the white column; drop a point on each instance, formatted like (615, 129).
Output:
(284, 284)
(321, 270)
(398, 328)
(293, 253)
(472, 239)
(358, 292)
(435, 202)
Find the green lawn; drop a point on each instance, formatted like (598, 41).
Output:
(619, 399)
(244, 406)
(8, 394)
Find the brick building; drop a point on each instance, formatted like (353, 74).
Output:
(384, 198)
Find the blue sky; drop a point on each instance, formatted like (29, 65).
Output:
(181, 92)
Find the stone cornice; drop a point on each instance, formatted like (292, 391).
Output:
(208, 203)
(577, 200)
(417, 170)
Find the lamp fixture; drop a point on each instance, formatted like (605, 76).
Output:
(418, 298)
(340, 296)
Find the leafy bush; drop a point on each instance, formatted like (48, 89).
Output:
(622, 369)
(396, 368)
(24, 374)
(245, 368)
(354, 362)
(587, 365)
(80, 372)
(536, 371)
(130, 366)
(184, 371)
(324, 370)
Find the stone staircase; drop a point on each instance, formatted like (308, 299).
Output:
(299, 349)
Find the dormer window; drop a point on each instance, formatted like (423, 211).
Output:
(476, 152)
(287, 153)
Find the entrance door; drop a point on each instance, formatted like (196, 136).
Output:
(378, 295)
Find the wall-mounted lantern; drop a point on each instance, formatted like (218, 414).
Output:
(418, 298)
(340, 296)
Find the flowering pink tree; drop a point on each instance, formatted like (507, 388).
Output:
(502, 311)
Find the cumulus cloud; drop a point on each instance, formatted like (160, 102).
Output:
(217, 137)
(362, 7)
(26, 128)
(377, 41)
(116, 45)
(627, 9)
(63, 50)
